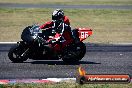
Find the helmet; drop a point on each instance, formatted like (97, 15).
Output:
(57, 14)
(57, 17)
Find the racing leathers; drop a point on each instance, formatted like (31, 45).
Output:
(51, 23)
(63, 33)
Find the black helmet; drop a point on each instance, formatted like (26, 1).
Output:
(57, 14)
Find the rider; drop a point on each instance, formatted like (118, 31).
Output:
(56, 15)
(61, 25)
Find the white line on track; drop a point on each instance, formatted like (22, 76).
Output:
(108, 44)
(8, 42)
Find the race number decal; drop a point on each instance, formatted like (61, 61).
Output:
(84, 34)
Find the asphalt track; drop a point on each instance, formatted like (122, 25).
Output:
(99, 59)
(13, 5)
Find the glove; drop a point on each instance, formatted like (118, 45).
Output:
(52, 41)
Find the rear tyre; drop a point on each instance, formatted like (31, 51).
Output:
(15, 54)
(74, 53)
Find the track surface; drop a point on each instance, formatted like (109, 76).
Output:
(11, 5)
(99, 59)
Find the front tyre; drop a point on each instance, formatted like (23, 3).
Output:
(15, 54)
(74, 53)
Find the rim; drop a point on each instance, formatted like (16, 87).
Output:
(74, 52)
(16, 54)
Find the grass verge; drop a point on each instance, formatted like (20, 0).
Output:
(109, 26)
(66, 85)
(71, 2)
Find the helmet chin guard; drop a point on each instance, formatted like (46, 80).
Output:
(57, 14)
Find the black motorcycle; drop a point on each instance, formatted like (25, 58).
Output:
(34, 46)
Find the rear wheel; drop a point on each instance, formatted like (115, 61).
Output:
(15, 54)
(74, 53)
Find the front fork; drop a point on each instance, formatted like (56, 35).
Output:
(25, 53)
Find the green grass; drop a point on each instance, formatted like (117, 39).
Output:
(72, 2)
(66, 85)
(109, 26)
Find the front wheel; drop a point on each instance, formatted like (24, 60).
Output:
(74, 53)
(15, 54)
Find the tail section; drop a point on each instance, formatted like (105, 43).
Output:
(84, 33)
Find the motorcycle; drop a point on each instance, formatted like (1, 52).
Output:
(34, 46)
